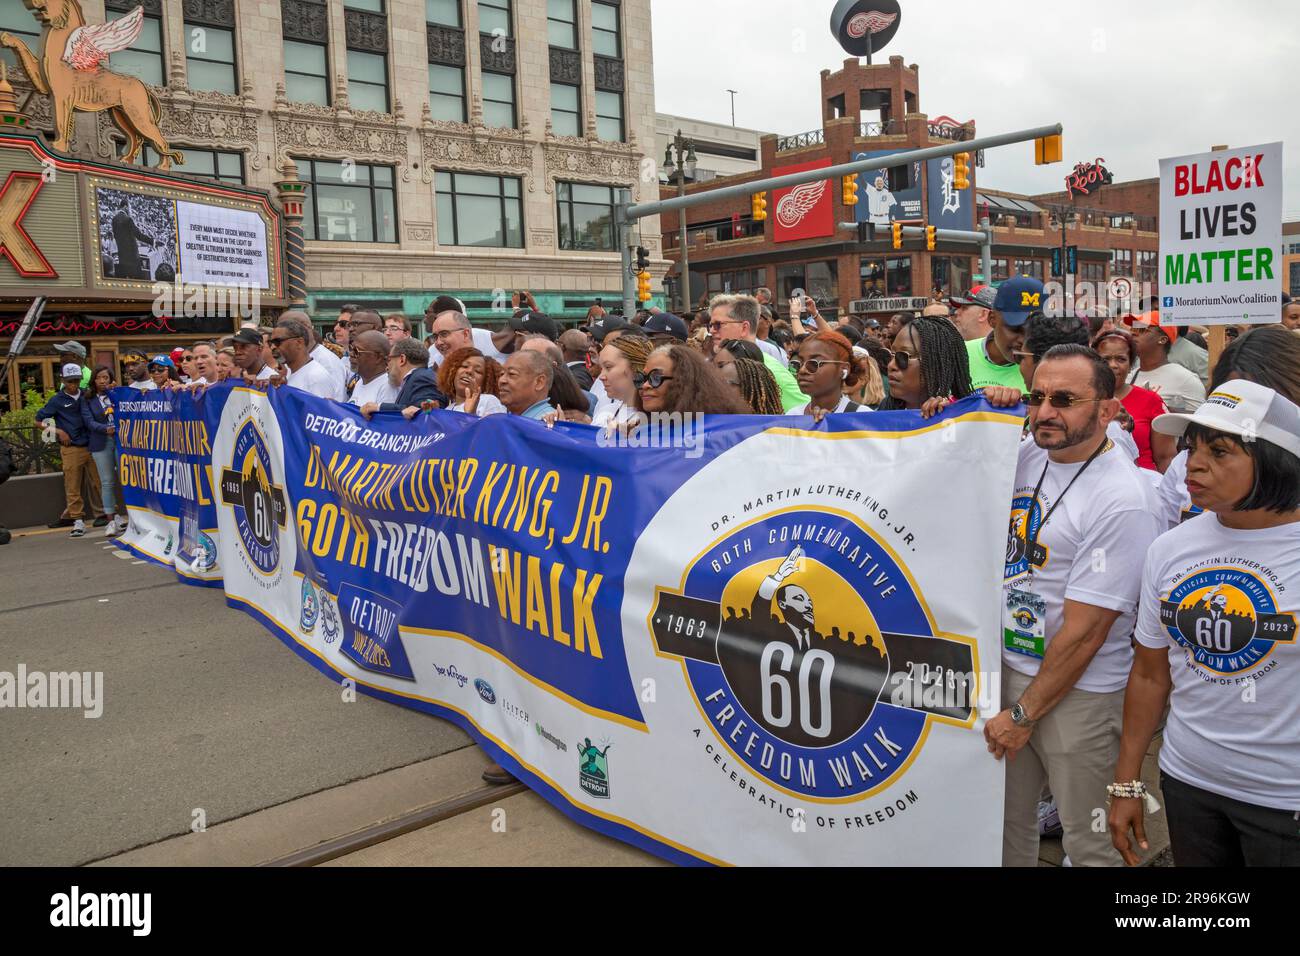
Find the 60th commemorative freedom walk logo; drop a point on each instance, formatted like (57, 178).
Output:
(1227, 619)
(807, 646)
(252, 486)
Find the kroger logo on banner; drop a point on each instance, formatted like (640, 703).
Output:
(804, 211)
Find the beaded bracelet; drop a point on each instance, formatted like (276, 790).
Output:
(1130, 790)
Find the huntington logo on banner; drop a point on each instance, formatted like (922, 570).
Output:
(803, 212)
(1220, 236)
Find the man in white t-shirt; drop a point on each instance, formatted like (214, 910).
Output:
(879, 202)
(370, 360)
(291, 342)
(1180, 389)
(248, 355)
(137, 370)
(336, 366)
(451, 331)
(1082, 518)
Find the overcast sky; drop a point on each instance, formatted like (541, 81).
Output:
(1130, 82)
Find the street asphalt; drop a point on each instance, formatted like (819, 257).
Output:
(206, 715)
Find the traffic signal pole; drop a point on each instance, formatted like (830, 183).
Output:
(626, 213)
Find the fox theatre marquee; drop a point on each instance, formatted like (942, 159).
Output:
(127, 258)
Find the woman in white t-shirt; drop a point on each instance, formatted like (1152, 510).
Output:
(826, 369)
(621, 360)
(471, 379)
(1267, 354)
(1217, 627)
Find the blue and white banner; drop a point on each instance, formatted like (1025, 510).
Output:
(771, 643)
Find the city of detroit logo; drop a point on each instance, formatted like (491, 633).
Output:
(1226, 618)
(259, 506)
(811, 655)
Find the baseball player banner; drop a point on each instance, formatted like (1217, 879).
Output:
(880, 205)
(163, 469)
(740, 640)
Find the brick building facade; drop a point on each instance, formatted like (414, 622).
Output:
(868, 108)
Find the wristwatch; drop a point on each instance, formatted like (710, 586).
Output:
(1019, 717)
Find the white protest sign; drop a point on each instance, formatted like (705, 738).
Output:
(221, 246)
(1221, 236)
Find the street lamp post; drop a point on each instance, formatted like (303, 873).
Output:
(680, 162)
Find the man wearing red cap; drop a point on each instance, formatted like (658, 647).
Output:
(1180, 389)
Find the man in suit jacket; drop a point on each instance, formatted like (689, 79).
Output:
(794, 605)
(408, 362)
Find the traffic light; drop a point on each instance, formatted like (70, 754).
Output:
(758, 204)
(929, 238)
(961, 171)
(642, 258)
(1047, 150)
(643, 287)
(898, 235)
(850, 188)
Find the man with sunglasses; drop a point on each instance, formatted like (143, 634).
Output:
(992, 358)
(736, 317)
(343, 327)
(291, 342)
(1082, 518)
(369, 353)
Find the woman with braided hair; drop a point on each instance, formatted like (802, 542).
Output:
(826, 369)
(621, 360)
(929, 366)
(755, 383)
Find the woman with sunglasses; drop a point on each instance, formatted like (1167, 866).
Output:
(470, 378)
(162, 371)
(929, 366)
(677, 379)
(1155, 450)
(826, 369)
(1216, 644)
(187, 367)
(621, 360)
(1268, 355)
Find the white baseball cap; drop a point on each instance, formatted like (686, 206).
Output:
(1245, 409)
(71, 370)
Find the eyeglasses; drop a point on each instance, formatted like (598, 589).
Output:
(654, 379)
(815, 365)
(1056, 399)
(1022, 356)
(342, 324)
(284, 338)
(355, 351)
(446, 334)
(717, 326)
(391, 358)
(903, 359)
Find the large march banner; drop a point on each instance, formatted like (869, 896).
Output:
(755, 641)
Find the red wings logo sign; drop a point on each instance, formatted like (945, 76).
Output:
(870, 22)
(806, 211)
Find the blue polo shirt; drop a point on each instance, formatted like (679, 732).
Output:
(539, 411)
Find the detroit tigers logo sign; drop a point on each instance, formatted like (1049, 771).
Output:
(802, 639)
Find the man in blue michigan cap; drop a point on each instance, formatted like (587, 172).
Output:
(993, 358)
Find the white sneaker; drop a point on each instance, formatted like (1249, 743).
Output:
(115, 527)
(78, 529)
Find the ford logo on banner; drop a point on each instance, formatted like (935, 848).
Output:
(485, 690)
